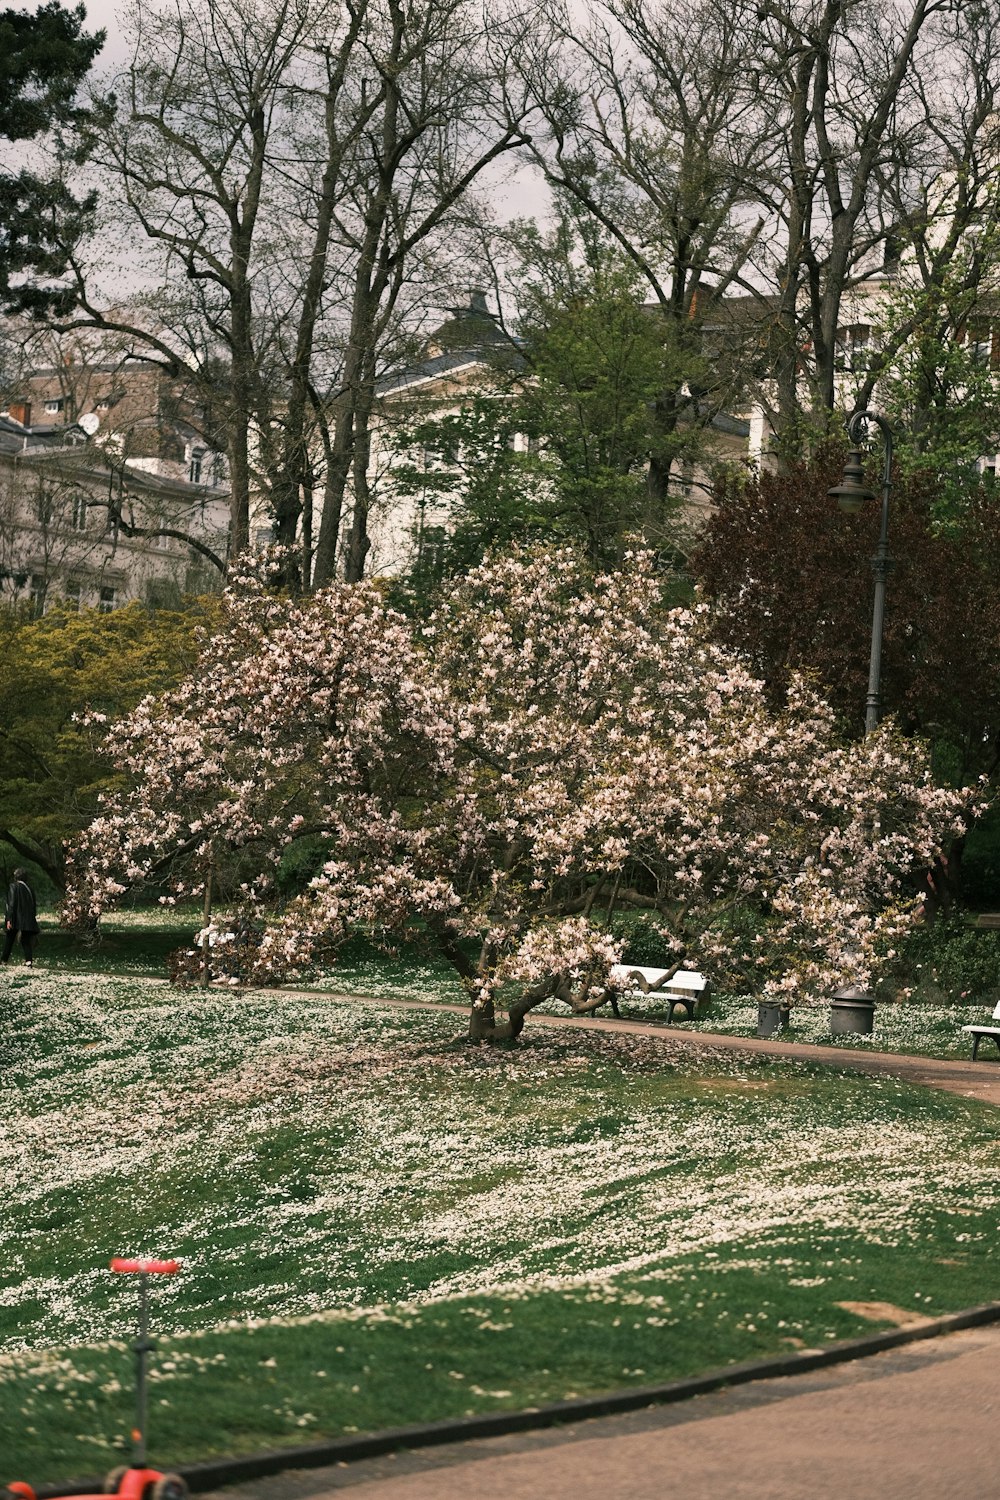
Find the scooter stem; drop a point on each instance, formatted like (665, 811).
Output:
(142, 1347)
(143, 1344)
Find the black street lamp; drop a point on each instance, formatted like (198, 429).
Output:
(852, 494)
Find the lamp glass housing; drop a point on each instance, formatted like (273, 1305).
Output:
(852, 494)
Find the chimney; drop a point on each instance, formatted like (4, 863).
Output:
(20, 411)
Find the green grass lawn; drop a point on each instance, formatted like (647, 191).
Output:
(378, 1224)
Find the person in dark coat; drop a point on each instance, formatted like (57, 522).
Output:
(20, 919)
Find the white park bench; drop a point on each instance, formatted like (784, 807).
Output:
(684, 988)
(977, 1033)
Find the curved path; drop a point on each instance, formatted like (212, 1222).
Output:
(974, 1080)
(914, 1423)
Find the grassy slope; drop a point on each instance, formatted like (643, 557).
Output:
(582, 1213)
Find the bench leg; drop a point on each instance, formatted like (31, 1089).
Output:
(975, 1046)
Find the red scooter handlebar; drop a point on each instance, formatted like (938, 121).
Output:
(164, 1267)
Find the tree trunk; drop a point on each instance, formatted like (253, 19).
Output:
(206, 950)
(483, 1023)
(49, 859)
(358, 544)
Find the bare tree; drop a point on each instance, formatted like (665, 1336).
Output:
(946, 217)
(293, 167)
(652, 131)
(847, 83)
(780, 149)
(435, 105)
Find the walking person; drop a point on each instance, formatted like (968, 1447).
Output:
(20, 919)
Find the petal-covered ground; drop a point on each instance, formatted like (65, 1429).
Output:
(306, 1154)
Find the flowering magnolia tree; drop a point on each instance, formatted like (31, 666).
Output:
(550, 747)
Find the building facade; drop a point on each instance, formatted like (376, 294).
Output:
(82, 529)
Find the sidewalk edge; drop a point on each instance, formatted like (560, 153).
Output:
(211, 1473)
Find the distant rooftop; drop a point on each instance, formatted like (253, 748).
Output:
(471, 336)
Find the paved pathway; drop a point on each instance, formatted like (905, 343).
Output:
(974, 1080)
(918, 1423)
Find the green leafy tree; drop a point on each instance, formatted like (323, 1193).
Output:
(563, 448)
(941, 392)
(601, 361)
(479, 481)
(51, 670)
(44, 58)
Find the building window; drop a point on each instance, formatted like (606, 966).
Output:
(73, 591)
(39, 588)
(78, 512)
(853, 348)
(859, 347)
(107, 601)
(43, 508)
(979, 343)
(55, 405)
(431, 546)
(194, 468)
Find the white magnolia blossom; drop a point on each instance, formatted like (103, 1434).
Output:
(547, 746)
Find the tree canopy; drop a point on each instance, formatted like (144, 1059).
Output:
(941, 390)
(550, 746)
(563, 445)
(44, 57)
(52, 671)
(790, 582)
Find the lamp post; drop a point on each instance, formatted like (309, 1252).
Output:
(852, 494)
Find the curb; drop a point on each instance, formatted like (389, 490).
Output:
(209, 1475)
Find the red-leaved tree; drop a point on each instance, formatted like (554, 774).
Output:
(791, 587)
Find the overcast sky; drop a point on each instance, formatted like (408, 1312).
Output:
(101, 14)
(520, 195)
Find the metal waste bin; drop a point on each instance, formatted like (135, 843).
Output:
(852, 1010)
(772, 1017)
